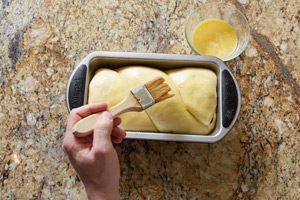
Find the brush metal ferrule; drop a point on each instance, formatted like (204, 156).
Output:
(143, 96)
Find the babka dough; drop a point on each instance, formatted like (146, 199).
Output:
(192, 109)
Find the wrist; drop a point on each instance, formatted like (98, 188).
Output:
(95, 193)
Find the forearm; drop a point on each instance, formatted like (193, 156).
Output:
(98, 194)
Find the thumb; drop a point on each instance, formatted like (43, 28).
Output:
(102, 131)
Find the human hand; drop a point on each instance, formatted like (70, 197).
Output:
(94, 157)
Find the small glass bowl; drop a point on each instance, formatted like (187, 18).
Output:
(220, 11)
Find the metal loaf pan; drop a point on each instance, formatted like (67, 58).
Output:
(229, 97)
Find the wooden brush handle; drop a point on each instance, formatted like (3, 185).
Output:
(127, 104)
(85, 126)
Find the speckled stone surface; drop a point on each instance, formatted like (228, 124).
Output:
(40, 43)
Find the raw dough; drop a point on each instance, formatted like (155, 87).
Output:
(192, 109)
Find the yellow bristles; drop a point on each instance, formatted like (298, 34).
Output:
(158, 89)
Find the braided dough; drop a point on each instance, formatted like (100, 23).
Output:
(192, 109)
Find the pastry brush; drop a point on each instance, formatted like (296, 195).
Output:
(139, 99)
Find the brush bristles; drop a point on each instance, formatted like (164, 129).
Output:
(158, 89)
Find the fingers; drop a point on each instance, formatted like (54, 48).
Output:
(87, 110)
(102, 132)
(118, 135)
(116, 140)
(75, 115)
(104, 128)
(117, 121)
(78, 113)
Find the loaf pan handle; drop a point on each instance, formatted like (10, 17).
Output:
(230, 99)
(77, 87)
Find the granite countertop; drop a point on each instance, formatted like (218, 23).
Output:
(40, 43)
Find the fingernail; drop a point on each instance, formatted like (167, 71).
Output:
(102, 104)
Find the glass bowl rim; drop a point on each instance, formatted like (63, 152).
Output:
(235, 53)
